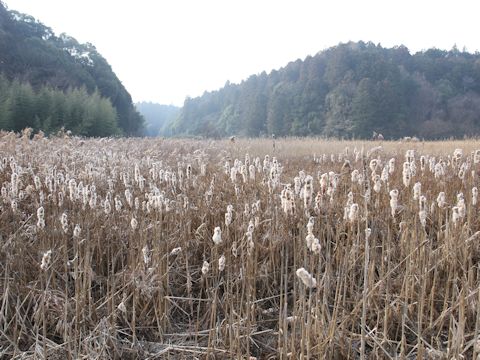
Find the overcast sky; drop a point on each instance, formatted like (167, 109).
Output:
(166, 50)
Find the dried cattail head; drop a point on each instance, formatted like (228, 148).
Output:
(217, 235)
(353, 213)
(77, 231)
(205, 267)
(311, 222)
(441, 199)
(47, 257)
(368, 232)
(422, 214)
(134, 224)
(175, 251)
(391, 166)
(354, 176)
(147, 255)
(315, 246)
(107, 208)
(64, 222)
(307, 279)
(221, 263)
(417, 190)
(455, 215)
(393, 201)
(407, 174)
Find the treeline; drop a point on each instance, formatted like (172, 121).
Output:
(50, 110)
(349, 90)
(31, 53)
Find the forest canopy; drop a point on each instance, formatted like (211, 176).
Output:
(36, 62)
(349, 90)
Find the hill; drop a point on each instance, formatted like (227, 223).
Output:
(349, 90)
(31, 54)
(157, 117)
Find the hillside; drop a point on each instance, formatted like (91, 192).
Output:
(31, 54)
(349, 90)
(157, 117)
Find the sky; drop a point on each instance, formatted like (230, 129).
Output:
(164, 51)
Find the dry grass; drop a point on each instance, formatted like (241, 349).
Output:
(143, 280)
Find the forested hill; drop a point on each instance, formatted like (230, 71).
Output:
(34, 60)
(349, 90)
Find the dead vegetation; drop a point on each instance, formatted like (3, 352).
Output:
(109, 248)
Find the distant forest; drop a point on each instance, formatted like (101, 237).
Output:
(48, 82)
(157, 118)
(349, 90)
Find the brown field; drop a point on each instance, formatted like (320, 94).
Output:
(108, 249)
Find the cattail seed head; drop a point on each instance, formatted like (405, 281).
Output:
(47, 257)
(221, 263)
(307, 279)
(134, 224)
(205, 267)
(217, 236)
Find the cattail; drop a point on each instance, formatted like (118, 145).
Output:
(175, 251)
(205, 267)
(146, 255)
(244, 173)
(441, 199)
(309, 240)
(354, 176)
(393, 201)
(297, 185)
(417, 190)
(377, 185)
(310, 224)
(221, 263)
(217, 236)
(474, 196)
(385, 174)
(251, 172)
(122, 307)
(233, 174)
(476, 156)
(40, 217)
(368, 232)
(353, 213)
(315, 246)
(438, 170)
(228, 218)
(64, 222)
(118, 203)
(47, 257)
(308, 192)
(134, 224)
(422, 214)
(77, 231)
(37, 182)
(14, 206)
(307, 279)
(461, 206)
(455, 215)
(391, 166)
(107, 208)
(407, 174)
(457, 154)
(129, 198)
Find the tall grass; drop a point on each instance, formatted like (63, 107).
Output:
(128, 263)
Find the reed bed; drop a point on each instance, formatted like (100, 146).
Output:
(266, 249)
